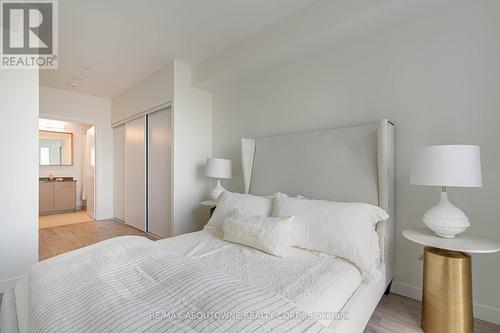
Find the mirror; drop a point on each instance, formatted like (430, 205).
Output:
(56, 148)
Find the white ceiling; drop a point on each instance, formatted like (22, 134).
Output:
(321, 26)
(105, 46)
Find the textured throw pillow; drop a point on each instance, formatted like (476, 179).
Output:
(344, 229)
(247, 203)
(272, 235)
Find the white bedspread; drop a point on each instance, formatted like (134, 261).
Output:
(317, 283)
(131, 284)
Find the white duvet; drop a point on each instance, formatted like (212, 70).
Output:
(317, 283)
(131, 284)
(311, 282)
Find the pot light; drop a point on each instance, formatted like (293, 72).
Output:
(51, 124)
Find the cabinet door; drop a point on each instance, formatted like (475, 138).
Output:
(65, 195)
(46, 197)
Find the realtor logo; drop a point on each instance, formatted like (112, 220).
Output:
(29, 34)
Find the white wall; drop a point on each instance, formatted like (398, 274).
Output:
(192, 129)
(437, 77)
(70, 106)
(192, 136)
(76, 170)
(18, 176)
(154, 90)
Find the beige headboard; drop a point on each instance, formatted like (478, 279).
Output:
(345, 164)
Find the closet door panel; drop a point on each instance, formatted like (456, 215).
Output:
(119, 172)
(135, 173)
(159, 173)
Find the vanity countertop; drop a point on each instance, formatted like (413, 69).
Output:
(64, 179)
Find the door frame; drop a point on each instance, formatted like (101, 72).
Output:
(97, 174)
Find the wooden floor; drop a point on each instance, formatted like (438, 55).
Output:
(48, 221)
(61, 239)
(399, 314)
(394, 314)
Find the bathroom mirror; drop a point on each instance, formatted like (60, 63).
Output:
(56, 148)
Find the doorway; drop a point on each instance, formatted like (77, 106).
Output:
(67, 156)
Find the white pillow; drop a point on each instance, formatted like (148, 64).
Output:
(272, 235)
(247, 203)
(343, 229)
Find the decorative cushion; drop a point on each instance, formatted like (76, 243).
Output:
(250, 204)
(272, 235)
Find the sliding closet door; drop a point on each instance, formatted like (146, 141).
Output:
(119, 172)
(135, 173)
(159, 173)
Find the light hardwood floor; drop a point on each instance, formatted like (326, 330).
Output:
(61, 239)
(48, 221)
(394, 314)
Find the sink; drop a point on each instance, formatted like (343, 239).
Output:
(64, 179)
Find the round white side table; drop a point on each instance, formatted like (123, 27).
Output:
(447, 280)
(209, 203)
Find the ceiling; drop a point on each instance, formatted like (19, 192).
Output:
(105, 46)
(322, 25)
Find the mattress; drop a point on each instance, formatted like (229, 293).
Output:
(22, 294)
(317, 283)
(14, 310)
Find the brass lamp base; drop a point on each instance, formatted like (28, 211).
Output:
(447, 292)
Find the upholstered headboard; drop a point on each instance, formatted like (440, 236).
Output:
(344, 164)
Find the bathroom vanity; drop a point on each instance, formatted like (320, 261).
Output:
(57, 196)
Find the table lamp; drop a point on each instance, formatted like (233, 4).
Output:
(446, 166)
(217, 168)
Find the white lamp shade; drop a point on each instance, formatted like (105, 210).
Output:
(447, 165)
(218, 168)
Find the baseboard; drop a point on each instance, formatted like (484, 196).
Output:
(10, 283)
(406, 290)
(481, 311)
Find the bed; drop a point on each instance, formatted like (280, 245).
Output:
(351, 164)
(347, 164)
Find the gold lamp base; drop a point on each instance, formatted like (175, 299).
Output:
(447, 292)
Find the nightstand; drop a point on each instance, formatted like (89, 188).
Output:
(447, 280)
(210, 203)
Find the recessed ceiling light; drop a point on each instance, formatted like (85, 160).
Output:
(51, 124)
